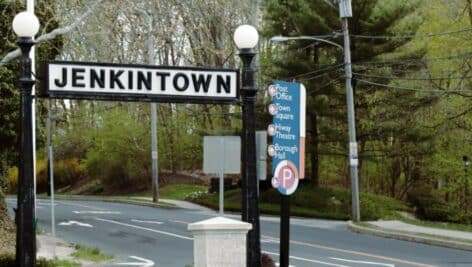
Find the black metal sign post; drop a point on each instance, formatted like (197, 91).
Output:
(284, 230)
(26, 232)
(250, 210)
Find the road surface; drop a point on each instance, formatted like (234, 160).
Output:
(158, 236)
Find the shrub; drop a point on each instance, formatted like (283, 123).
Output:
(430, 206)
(2, 204)
(7, 260)
(68, 171)
(12, 179)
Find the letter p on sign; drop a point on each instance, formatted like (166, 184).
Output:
(285, 177)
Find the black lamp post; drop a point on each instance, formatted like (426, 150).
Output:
(466, 182)
(26, 25)
(246, 39)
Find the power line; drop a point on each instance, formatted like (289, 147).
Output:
(409, 36)
(397, 71)
(321, 75)
(328, 69)
(411, 79)
(325, 85)
(467, 55)
(414, 89)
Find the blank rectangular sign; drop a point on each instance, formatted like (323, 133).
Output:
(222, 153)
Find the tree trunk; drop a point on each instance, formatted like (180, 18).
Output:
(315, 164)
(469, 9)
(395, 176)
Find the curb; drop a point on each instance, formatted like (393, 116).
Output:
(435, 241)
(164, 205)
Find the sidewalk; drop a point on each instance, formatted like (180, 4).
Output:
(46, 248)
(421, 234)
(63, 251)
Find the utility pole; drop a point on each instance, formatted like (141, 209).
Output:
(154, 151)
(51, 176)
(345, 11)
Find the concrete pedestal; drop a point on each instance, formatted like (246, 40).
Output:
(219, 242)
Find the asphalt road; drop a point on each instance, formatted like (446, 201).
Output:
(139, 234)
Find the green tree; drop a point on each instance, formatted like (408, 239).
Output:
(9, 92)
(320, 67)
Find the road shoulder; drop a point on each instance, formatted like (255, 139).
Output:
(428, 236)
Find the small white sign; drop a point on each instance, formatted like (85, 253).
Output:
(222, 153)
(353, 149)
(353, 162)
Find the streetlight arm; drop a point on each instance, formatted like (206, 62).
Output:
(280, 38)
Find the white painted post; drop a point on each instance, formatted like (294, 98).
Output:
(219, 242)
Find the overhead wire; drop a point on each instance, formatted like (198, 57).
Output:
(431, 90)
(411, 79)
(430, 35)
(467, 55)
(324, 72)
(325, 85)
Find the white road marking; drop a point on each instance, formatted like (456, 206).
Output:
(44, 203)
(181, 222)
(308, 260)
(150, 222)
(278, 264)
(79, 205)
(69, 223)
(145, 229)
(365, 262)
(95, 212)
(269, 241)
(142, 262)
(357, 253)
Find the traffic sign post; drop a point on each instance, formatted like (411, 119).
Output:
(287, 150)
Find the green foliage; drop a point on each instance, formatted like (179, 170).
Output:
(3, 205)
(181, 191)
(8, 260)
(121, 152)
(9, 92)
(329, 203)
(319, 67)
(431, 206)
(68, 172)
(90, 254)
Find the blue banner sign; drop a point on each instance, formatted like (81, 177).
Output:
(288, 131)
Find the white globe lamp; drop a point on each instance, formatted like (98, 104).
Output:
(25, 24)
(246, 37)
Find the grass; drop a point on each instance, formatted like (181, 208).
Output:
(60, 263)
(175, 191)
(328, 203)
(90, 254)
(8, 260)
(440, 225)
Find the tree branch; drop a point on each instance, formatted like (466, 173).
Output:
(53, 34)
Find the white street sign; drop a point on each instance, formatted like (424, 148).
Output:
(84, 80)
